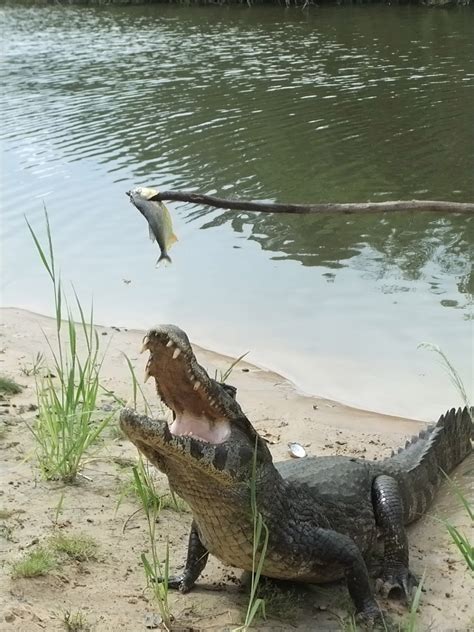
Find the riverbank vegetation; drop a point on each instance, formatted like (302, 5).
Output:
(8, 386)
(68, 420)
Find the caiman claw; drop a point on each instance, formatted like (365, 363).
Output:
(371, 615)
(184, 583)
(397, 584)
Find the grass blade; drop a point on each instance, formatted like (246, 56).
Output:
(67, 425)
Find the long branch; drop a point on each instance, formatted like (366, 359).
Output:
(364, 207)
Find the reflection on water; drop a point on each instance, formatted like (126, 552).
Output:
(408, 243)
(338, 104)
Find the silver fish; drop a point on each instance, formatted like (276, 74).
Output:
(160, 225)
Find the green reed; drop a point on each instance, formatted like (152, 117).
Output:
(68, 422)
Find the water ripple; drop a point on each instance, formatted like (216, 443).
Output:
(328, 105)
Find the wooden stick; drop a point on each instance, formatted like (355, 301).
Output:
(364, 207)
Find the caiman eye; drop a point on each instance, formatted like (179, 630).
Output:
(230, 390)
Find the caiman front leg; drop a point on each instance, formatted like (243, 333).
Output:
(396, 577)
(195, 562)
(334, 548)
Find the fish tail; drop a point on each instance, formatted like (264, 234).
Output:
(163, 257)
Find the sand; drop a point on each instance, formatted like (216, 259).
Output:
(110, 591)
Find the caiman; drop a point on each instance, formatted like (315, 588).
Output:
(323, 514)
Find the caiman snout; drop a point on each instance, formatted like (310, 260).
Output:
(144, 428)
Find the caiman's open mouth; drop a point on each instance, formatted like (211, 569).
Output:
(202, 407)
(209, 429)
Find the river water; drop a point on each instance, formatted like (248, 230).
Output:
(332, 104)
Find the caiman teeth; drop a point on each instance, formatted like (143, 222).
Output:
(147, 372)
(197, 385)
(146, 340)
(176, 353)
(169, 343)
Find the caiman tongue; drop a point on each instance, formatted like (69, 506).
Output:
(202, 407)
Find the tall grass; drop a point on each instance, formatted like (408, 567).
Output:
(151, 502)
(461, 541)
(221, 376)
(411, 625)
(136, 387)
(259, 551)
(156, 573)
(147, 494)
(453, 375)
(67, 425)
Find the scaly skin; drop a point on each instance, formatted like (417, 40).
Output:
(323, 514)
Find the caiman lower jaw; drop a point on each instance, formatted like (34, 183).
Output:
(200, 428)
(139, 427)
(167, 451)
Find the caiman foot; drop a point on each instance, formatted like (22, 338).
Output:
(195, 563)
(370, 615)
(397, 583)
(184, 583)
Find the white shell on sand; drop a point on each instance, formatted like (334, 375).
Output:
(296, 450)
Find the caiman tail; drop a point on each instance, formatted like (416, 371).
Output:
(419, 467)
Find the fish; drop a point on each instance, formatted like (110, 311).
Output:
(160, 225)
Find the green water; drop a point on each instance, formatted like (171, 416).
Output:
(331, 104)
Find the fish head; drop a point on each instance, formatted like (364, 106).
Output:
(141, 193)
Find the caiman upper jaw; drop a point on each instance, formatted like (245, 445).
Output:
(202, 407)
(208, 426)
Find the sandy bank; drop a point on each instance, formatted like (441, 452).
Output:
(110, 591)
